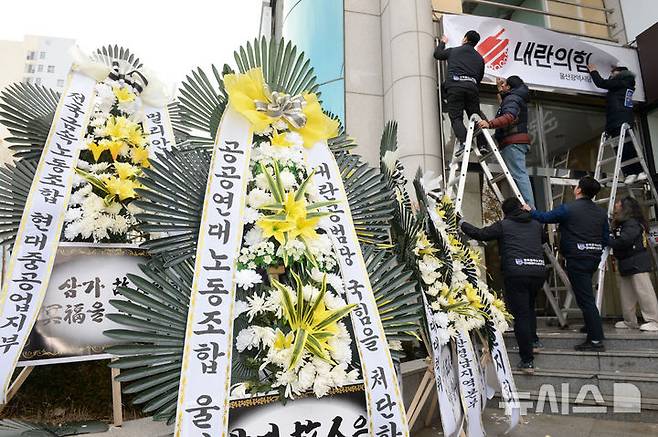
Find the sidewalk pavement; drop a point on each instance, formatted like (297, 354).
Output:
(546, 425)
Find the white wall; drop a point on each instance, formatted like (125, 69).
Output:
(639, 15)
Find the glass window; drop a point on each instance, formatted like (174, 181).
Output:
(576, 129)
(40, 68)
(60, 82)
(37, 80)
(31, 55)
(51, 69)
(30, 68)
(42, 55)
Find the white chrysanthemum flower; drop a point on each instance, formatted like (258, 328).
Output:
(251, 215)
(288, 180)
(258, 198)
(246, 339)
(245, 279)
(261, 182)
(310, 292)
(253, 236)
(441, 319)
(305, 378)
(340, 349)
(255, 305)
(336, 283)
(295, 138)
(395, 345)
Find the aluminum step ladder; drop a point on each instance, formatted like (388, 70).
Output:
(456, 184)
(610, 152)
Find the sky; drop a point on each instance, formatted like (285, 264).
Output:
(170, 37)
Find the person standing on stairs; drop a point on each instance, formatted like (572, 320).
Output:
(520, 240)
(584, 232)
(511, 124)
(629, 243)
(465, 72)
(619, 110)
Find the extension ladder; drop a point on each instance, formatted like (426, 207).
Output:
(456, 184)
(615, 180)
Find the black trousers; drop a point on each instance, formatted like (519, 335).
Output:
(626, 154)
(580, 272)
(458, 100)
(520, 294)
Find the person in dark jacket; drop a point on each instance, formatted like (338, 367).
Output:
(619, 110)
(584, 233)
(511, 124)
(465, 72)
(520, 240)
(628, 241)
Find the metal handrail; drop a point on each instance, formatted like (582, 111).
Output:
(596, 8)
(537, 11)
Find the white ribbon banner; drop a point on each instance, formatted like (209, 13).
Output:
(157, 126)
(385, 405)
(508, 391)
(203, 397)
(38, 236)
(447, 385)
(470, 385)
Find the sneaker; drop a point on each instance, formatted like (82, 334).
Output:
(484, 150)
(630, 179)
(459, 150)
(527, 367)
(642, 177)
(537, 346)
(589, 346)
(623, 325)
(650, 326)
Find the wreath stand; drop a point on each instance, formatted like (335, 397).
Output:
(117, 410)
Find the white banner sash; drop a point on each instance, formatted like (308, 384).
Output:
(447, 384)
(509, 395)
(470, 385)
(203, 396)
(385, 404)
(38, 236)
(157, 127)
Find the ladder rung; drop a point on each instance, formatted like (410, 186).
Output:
(485, 157)
(648, 202)
(600, 201)
(630, 161)
(607, 160)
(498, 178)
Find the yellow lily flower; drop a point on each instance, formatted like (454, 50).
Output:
(135, 135)
(125, 170)
(116, 148)
(283, 341)
(122, 188)
(318, 125)
(472, 296)
(243, 91)
(280, 140)
(275, 228)
(304, 228)
(96, 149)
(294, 208)
(140, 156)
(123, 94)
(117, 127)
(424, 245)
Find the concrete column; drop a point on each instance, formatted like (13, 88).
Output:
(409, 82)
(364, 99)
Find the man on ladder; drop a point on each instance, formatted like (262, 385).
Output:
(619, 110)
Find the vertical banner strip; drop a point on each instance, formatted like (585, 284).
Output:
(203, 396)
(157, 126)
(38, 236)
(450, 407)
(385, 404)
(469, 385)
(506, 379)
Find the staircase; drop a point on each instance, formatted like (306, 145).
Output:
(591, 379)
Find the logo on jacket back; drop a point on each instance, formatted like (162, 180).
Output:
(494, 50)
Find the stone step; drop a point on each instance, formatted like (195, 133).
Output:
(606, 381)
(615, 339)
(609, 361)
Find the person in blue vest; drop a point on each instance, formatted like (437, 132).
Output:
(511, 124)
(584, 233)
(520, 240)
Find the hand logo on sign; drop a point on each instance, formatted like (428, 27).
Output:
(494, 50)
